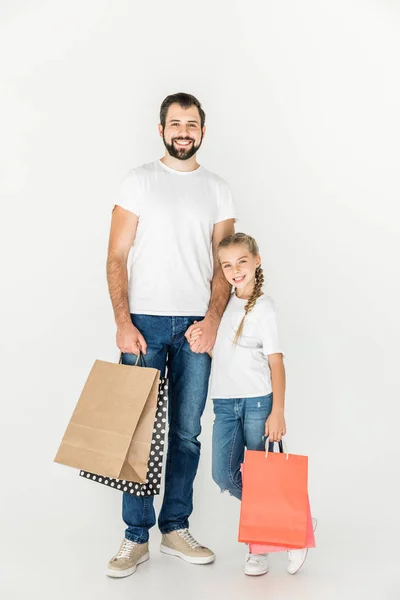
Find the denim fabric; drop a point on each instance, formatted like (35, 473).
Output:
(188, 375)
(238, 423)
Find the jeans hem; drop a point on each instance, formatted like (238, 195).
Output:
(136, 539)
(175, 527)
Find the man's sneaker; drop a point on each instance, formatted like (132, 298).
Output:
(256, 564)
(181, 543)
(129, 556)
(297, 558)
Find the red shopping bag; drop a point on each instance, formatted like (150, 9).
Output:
(310, 540)
(274, 499)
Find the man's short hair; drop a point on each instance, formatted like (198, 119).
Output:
(185, 101)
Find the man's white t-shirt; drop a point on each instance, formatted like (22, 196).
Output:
(242, 370)
(171, 266)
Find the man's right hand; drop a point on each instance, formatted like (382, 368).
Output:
(129, 339)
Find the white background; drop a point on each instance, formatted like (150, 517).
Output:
(302, 103)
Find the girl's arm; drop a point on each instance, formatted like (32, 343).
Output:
(275, 426)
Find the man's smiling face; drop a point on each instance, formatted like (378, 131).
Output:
(182, 134)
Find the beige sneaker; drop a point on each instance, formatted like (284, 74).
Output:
(129, 556)
(181, 543)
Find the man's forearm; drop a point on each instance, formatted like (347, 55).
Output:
(220, 292)
(117, 277)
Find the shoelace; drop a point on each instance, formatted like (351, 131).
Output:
(126, 549)
(256, 558)
(188, 538)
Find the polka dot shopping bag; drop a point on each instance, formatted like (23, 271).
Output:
(152, 485)
(116, 434)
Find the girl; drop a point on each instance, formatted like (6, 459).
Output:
(248, 377)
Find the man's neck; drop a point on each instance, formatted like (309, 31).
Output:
(180, 165)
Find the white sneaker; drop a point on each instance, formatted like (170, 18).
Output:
(256, 564)
(297, 558)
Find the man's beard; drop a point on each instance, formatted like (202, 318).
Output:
(182, 153)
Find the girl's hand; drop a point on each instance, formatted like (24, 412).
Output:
(275, 426)
(205, 339)
(195, 335)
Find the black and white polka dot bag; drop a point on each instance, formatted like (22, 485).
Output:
(156, 458)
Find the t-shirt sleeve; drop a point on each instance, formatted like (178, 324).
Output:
(269, 333)
(129, 196)
(226, 207)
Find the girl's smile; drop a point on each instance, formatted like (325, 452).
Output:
(238, 280)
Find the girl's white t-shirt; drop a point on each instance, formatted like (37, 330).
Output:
(241, 370)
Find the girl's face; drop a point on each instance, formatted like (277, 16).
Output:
(239, 266)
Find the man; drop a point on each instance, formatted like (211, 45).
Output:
(174, 213)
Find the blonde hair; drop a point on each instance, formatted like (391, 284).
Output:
(242, 239)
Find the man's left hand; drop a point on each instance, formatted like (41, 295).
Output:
(205, 336)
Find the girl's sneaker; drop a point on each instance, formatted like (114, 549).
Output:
(297, 558)
(256, 564)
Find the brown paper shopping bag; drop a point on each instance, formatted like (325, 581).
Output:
(111, 428)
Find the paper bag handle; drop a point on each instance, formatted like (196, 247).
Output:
(139, 360)
(269, 447)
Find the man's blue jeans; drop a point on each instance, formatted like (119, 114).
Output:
(188, 375)
(239, 423)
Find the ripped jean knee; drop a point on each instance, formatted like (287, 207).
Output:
(226, 485)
